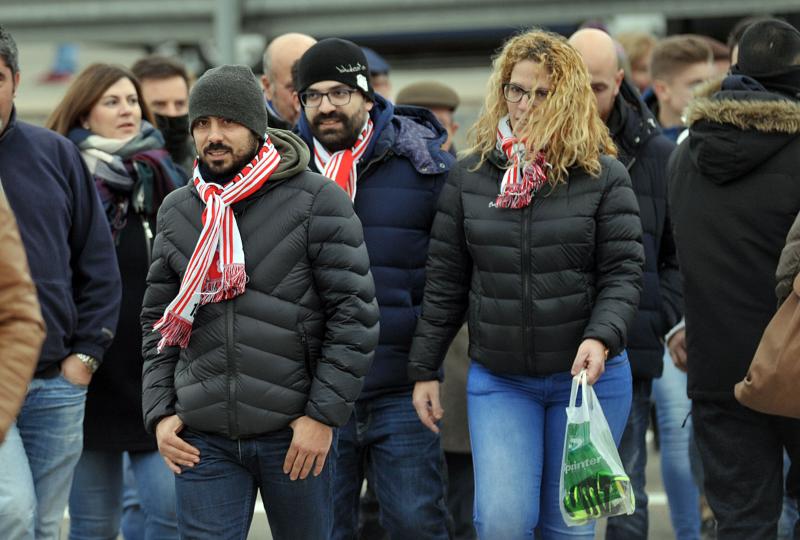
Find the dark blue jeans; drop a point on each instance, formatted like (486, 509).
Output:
(633, 453)
(402, 459)
(216, 498)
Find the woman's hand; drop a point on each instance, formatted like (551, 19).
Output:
(591, 355)
(426, 402)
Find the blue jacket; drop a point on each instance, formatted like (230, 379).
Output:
(399, 180)
(645, 151)
(66, 238)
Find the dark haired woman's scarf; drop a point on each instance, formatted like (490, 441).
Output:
(522, 179)
(130, 174)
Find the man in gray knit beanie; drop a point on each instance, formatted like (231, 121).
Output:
(259, 323)
(224, 95)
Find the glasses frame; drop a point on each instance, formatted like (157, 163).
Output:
(323, 95)
(508, 85)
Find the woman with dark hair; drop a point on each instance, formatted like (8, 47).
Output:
(104, 115)
(538, 237)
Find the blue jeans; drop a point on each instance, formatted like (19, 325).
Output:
(517, 426)
(38, 457)
(216, 498)
(403, 461)
(633, 453)
(95, 502)
(788, 520)
(675, 430)
(132, 524)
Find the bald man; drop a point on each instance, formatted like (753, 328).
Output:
(283, 107)
(644, 151)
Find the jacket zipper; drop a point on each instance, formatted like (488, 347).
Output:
(232, 416)
(148, 240)
(527, 322)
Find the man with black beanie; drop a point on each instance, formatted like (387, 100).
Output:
(734, 193)
(389, 162)
(259, 323)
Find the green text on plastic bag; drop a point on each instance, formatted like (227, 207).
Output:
(591, 489)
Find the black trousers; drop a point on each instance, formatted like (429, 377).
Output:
(742, 455)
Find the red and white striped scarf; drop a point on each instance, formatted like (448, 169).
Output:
(216, 269)
(341, 166)
(522, 180)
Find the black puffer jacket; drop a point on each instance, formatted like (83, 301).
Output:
(645, 153)
(735, 192)
(298, 341)
(537, 281)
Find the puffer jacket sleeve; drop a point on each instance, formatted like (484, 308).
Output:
(158, 390)
(447, 281)
(619, 260)
(789, 263)
(21, 324)
(341, 271)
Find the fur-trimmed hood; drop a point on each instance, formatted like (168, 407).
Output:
(735, 124)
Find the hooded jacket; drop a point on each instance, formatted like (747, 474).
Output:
(645, 153)
(301, 337)
(536, 281)
(399, 180)
(734, 193)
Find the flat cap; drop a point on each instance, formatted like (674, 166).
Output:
(428, 94)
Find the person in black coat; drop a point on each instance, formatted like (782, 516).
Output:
(645, 152)
(259, 322)
(734, 193)
(104, 115)
(538, 238)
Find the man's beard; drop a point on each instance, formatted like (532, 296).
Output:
(223, 176)
(336, 139)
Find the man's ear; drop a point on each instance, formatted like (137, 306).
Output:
(661, 90)
(618, 77)
(16, 84)
(266, 86)
(368, 105)
(296, 102)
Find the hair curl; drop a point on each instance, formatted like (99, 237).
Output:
(565, 126)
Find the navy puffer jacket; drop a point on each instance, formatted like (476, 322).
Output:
(399, 181)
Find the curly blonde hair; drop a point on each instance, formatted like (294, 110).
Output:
(565, 126)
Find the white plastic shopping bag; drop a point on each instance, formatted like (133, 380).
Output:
(593, 483)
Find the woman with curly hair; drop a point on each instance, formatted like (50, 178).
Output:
(104, 115)
(538, 237)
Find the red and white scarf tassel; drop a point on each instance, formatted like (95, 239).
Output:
(216, 270)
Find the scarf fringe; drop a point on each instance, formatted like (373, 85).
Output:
(231, 284)
(174, 330)
(516, 196)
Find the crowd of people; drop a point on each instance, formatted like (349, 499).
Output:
(295, 285)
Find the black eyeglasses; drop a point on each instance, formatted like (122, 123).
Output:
(514, 93)
(338, 97)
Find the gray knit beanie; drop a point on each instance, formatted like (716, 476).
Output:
(230, 92)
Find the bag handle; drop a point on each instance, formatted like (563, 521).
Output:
(579, 380)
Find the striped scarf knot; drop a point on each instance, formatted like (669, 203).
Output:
(523, 179)
(216, 270)
(341, 166)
